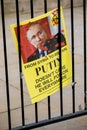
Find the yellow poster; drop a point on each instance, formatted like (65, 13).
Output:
(39, 41)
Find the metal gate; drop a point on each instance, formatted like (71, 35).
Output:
(77, 91)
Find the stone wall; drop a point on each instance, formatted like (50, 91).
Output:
(24, 5)
(66, 3)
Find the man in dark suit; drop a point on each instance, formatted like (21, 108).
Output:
(37, 36)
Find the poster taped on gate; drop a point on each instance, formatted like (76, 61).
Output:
(41, 73)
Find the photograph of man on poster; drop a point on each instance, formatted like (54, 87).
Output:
(37, 36)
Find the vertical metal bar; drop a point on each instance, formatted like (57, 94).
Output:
(72, 38)
(31, 8)
(32, 15)
(60, 57)
(49, 107)
(45, 6)
(6, 64)
(20, 65)
(36, 112)
(85, 71)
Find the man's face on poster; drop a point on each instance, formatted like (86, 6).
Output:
(36, 35)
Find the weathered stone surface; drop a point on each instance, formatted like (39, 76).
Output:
(24, 5)
(66, 3)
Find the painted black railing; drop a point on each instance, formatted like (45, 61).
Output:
(62, 117)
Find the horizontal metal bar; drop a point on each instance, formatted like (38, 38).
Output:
(52, 120)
